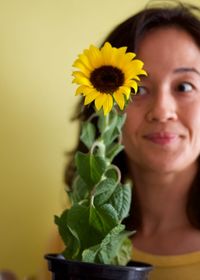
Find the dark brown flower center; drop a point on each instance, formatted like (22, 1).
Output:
(107, 79)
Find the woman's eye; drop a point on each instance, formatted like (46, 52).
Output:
(185, 87)
(141, 90)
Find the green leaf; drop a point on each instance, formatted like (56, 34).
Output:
(103, 218)
(115, 248)
(109, 245)
(113, 150)
(107, 249)
(90, 167)
(120, 122)
(89, 255)
(103, 191)
(101, 124)
(121, 200)
(97, 168)
(88, 134)
(79, 190)
(79, 220)
(113, 131)
(111, 173)
(124, 252)
(69, 237)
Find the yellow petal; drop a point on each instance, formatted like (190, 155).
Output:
(119, 98)
(80, 90)
(91, 97)
(108, 104)
(78, 74)
(133, 84)
(129, 56)
(78, 64)
(133, 69)
(119, 56)
(106, 53)
(126, 90)
(143, 72)
(84, 60)
(124, 60)
(122, 50)
(100, 100)
(84, 90)
(81, 81)
(94, 56)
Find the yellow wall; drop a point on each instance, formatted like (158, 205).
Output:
(39, 39)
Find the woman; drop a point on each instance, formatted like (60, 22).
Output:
(162, 139)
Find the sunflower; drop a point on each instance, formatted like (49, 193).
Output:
(107, 76)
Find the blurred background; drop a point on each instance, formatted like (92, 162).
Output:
(39, 40)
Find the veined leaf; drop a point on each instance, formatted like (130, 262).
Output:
(121, 200)
(69, 237)
(110, 127)
(111, 173)
(79, 190)
(103, 218)
(114, 128)
(113, 150)
(78, 220)
(109, 245)
(90, 167)
(124, 252)
(103, 191)
(107, 249)
(88, 134)
(115, 248)
(89, 255)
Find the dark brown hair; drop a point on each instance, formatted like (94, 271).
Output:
(129, 33)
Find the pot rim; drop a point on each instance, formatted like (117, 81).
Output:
(132, 265)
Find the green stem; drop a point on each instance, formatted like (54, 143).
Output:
(101, 148)
(112, 166)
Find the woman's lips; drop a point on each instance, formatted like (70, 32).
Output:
(161, 138)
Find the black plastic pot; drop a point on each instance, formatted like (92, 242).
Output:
(63, 269)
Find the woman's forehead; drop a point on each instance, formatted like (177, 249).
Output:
(169, 46)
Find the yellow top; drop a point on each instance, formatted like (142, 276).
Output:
(173, 267)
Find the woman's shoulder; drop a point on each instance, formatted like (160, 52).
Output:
(169, 260)
(167, 267)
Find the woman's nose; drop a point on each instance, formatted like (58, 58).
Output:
(162, 108)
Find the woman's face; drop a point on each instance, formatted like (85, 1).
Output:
(162, 130)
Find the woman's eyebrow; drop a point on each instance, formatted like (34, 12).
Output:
(186, 69)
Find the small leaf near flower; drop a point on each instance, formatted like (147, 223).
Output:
(88, 134)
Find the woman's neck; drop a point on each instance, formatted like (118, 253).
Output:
(165, 228)
(163, 198)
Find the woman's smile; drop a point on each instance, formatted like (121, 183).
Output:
(162, 138)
